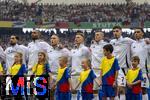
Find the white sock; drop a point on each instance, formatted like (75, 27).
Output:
(122, 97)
(145, 97)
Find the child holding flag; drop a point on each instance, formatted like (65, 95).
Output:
(134, 79)
(63, 83)
(109, 73)
(87, 78)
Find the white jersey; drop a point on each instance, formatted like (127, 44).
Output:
(97, 53)
(34, 48)
(54, 55)
(77, 55)
(2, 54)
(148, 64)
(10, 53)
(122, 50)
(141, 49)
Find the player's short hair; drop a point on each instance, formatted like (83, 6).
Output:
(37, 31)
(108, 47)
(139, 29)
(55, 35)
(17, 38)
(117, 27)
(80, 33)
(136, 58)
(99, 32)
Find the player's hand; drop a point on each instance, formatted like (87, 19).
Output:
(100, 82)
(73, 91)
(129, 85)
(53, 87)
(147, 41)
(114, 84)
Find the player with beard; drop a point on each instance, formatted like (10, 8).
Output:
(37, 45)
(141, 48)
(13, 49)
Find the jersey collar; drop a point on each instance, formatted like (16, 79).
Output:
(101, 41)
(141, 40)
(119, 38)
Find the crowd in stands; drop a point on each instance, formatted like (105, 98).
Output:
(16, 11)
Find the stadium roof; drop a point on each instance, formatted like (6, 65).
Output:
(87, 1)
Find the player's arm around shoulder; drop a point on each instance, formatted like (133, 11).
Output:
(129, 40)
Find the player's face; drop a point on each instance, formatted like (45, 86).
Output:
(78, 39)
(135, 63)
(117, 33)
(138, 34)
(17, 57)
(54, 40)
(35, 35)
(98, 36)
(41, 57)
(13, 40)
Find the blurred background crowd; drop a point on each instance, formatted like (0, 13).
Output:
(16, 11)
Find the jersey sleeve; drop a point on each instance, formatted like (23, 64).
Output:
(66, 52)
(2, 54)
(129, 40)
(86, 52)
(26, 51)
(45, 47)
(102, 64)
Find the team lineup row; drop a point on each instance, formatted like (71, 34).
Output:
(123, 49)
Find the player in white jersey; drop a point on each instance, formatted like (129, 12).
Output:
(77, 54)
(2, 58)
(11, 51)
(34, 48)
(97, 53)
(2, 54)
(141, 49)
(121, 51)
(55, 53)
